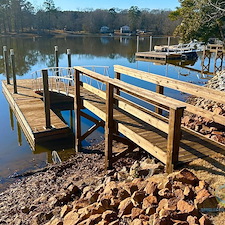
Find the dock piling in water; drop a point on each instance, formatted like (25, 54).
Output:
(68, 51)
(13, 70)
(6, 63)
(46, 99)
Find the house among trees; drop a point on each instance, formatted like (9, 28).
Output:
(125, 29)
(104, 29)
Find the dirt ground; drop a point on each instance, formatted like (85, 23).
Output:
(87, 168)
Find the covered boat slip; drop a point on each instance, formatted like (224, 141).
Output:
(161, 136)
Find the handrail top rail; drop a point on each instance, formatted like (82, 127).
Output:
(147, 94)
(93, 74)
(173, 83)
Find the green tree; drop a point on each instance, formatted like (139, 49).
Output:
(134, 15)
(200, 19)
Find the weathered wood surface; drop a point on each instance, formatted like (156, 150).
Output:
(29, 110)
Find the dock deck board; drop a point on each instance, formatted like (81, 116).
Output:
(29, 110)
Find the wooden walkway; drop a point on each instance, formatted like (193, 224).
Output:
(163, 137)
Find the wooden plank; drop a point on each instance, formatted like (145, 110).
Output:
(77, 111)
(173, 84)
(92, 74)
(160, 90)
(155, 98)
(109, 126)
(144, 116)
(92, 129)
(174, 137)
(94, 90)
(142, 142)
(46, 97)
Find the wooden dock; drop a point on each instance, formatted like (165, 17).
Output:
(161, 136)
(28, 108)
(158, 56)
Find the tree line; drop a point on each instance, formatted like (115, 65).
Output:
(200, 19)
(22, 16)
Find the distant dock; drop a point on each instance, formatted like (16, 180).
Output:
(162, 56)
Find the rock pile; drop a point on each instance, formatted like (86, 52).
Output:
(206, 126)
(156, 200)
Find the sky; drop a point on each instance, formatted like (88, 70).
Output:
(107, 4)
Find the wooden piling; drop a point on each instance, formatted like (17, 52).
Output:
(160, 90)
(77, 111)
(137, 43)
(6, 64)
(13, 70)
(150, 44)
(174, 136)
(109, 126)
(46, 97)
(69, 57)
(56, 57)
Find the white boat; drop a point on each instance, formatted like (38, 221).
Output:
(181, 48)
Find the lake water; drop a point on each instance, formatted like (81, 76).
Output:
(33, 54)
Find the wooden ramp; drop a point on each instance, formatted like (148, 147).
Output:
(151, 139)
(28, 108)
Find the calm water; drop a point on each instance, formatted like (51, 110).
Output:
(32, 54)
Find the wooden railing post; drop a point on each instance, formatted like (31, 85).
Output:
(46, 97)
(174, 136)
(6, 64)
(117, 91)
(109, 126)
(77, 111)
(160, 90)
(13, 70)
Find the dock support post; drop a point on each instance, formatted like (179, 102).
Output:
(77, 111)
(168, 44)
(46, 99)
(137, 43)
(160, 90)
(56, 60)
(109, 126)
(56, 57)
(174, 136)
(13, 70)
(117, 92)
(150, 44)
(218, 60)
(69, 57)
(6, 64)
(206, 57)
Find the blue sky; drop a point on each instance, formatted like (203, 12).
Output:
(107, 4)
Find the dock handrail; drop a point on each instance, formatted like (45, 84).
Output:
(181, 86)
(175, 113)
